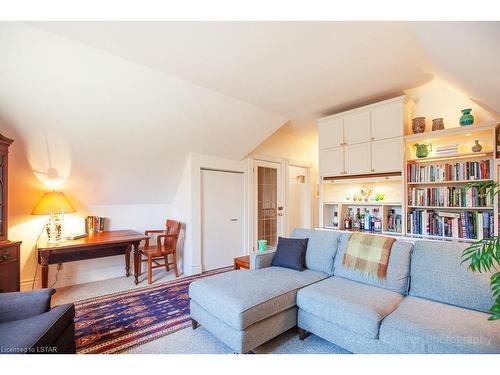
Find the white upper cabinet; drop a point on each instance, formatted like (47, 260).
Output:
(358, 158)
(331, 133)
(357, 127)
(387, 155)
(387, 121)
(363, 140)
(331, 161)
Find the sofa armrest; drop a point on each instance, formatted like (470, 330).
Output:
(261, 259)
(23, 305)
(50, 332)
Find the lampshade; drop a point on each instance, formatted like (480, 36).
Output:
(53, 203)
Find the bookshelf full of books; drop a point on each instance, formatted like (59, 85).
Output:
(440, 202)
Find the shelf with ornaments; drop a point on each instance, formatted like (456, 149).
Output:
(378, 200)
(439, 165)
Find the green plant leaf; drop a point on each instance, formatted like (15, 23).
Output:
(495, 290)
(481, 254)
(484, 255)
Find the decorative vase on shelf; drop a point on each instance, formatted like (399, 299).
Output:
(477, 147)
(423, 149)
(467, 118)
(437, 124)
(262, 245)
(418, 125)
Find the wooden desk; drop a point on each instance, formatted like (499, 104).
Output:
(96, 245)
(242, 262)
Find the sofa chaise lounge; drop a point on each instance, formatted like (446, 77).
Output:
(427, 303)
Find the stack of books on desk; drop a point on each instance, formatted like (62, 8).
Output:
(94, 224)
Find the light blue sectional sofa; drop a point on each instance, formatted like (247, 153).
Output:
(428, 302)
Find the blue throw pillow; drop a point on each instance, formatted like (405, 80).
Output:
(290, 253)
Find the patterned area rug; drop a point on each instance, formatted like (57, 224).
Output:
(120, 321)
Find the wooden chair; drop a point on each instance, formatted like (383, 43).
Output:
(166, 244)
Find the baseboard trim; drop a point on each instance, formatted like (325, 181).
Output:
(196, 269)
(26, 284)
(75, 278)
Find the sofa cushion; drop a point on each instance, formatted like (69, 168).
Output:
(39, 331)
(422, 326)
(436, 274)
(354, 306)
(290, 253)
(321, 248)
(241, 298)
(398, 268)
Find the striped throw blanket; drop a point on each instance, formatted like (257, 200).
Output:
(368, 254)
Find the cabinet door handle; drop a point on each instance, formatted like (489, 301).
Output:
(373, 170)
(5, 256)
(373, 138)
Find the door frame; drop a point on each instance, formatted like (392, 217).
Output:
(280, 196)
(202, 212)
(252, 196)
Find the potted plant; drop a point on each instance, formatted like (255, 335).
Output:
(484, 255)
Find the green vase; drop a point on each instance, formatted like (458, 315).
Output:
(467, 118)
(423, 149)
(262, 245)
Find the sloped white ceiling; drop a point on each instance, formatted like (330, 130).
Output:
(467, 55)
(298, 69)
(118, 131)
(128, 100)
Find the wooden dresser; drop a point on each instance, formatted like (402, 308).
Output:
(9, 251)
(9, 266)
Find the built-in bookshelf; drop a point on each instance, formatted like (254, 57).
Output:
(439, 204)
(413, 196)
(371, 204)
(429, 198)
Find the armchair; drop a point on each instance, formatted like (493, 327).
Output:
(28, 325)
(166, 244)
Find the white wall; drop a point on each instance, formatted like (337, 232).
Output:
(136, 217)
(187, 204)
(115, 134)
(297, 200)
(439, 99)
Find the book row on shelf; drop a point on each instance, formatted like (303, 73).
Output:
(469, 170)
(448, 196)
(465, 225)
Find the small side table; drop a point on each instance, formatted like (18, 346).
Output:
(242, 262)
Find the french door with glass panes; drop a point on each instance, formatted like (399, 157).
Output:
(268, 202)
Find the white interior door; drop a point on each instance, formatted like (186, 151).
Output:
(268, 202)
(222, 202)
